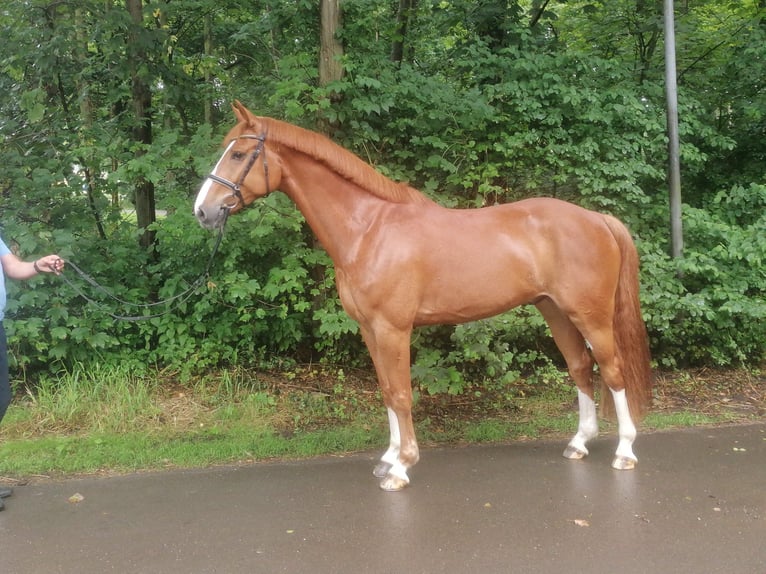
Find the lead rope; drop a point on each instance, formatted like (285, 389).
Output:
(184, 296)
(178, 299)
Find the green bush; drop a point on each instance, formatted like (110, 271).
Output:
(487, 108)
(710, 307)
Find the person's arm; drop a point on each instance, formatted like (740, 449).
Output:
(16, 268)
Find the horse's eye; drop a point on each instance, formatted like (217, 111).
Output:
(237, 156)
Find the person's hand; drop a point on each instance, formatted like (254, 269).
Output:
(49, 264)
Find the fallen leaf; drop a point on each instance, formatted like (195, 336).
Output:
(76, 498)
(581, 522)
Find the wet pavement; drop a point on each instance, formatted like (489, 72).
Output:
(696, 503)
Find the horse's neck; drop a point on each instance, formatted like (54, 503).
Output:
(337, 211)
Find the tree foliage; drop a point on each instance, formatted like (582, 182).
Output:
(474, 102)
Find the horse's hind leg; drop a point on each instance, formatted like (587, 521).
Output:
(604, 351)
(624, 459)
(580, 365)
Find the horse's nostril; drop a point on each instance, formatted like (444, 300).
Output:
(200, 213)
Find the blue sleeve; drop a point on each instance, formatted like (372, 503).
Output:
(3, 251)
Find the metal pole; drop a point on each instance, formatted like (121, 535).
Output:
(674, 162)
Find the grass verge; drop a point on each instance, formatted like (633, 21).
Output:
(106, 420)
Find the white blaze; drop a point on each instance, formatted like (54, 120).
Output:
(208, 183)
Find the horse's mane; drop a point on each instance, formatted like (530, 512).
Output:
(341, 161)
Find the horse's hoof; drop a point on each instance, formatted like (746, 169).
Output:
(393, 483)
(381, 469)
(623, 463)
(574, 453)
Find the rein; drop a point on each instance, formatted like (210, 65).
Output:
(178, 299)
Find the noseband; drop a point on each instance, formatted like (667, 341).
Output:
(236, 187)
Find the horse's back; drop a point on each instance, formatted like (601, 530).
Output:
(460, 265)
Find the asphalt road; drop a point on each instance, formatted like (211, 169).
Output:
(696, 503)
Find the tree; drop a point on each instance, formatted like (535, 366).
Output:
(119, 101)
(331, 48)
(407, 11)
(142, 110)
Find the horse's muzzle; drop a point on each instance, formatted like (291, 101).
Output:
(214, 220)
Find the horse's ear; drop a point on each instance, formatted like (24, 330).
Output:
(244, 115)
(239, 109)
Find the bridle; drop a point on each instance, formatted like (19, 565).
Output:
(237, 187)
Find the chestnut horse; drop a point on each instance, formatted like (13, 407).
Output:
(402, 261)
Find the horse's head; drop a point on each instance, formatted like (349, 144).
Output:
(244, 173)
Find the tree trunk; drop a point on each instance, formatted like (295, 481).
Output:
(331, 48)
(142, 130)
(208, 47)
(86, 118)
(648, 31)
(330, 70)
(403, 17)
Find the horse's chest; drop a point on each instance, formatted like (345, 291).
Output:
(346, 294)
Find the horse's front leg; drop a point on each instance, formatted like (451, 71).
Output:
(390, 350)
(587, 428)
(402, 454)
(391, 456)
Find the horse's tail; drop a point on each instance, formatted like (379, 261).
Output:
(631, 339)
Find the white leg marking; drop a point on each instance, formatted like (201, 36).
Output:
(399, 471)
(586, 429)
(390, 467)
(626, 430)
(392, 454)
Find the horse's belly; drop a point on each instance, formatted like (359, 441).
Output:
(468, 279)
(467, 298)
